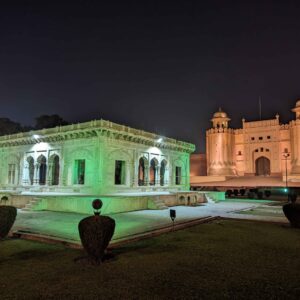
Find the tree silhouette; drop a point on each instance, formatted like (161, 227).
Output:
(49, 121)
(8, 126)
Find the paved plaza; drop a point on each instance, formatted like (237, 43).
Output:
(64, 225)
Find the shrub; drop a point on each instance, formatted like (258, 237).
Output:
(292, 213)
(7, 218)
(228, 193)
(235, 192)
(268, 193)
(242, 192)
(250, 195)
(292, 198)
(95, 234)
(260, 195)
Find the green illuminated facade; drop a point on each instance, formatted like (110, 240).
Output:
(94, 158)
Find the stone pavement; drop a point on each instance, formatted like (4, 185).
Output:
(64, 225)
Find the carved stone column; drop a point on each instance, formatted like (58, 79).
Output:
(146, 175)
(25, 179)
(36, 174)
(49, 174)
(157, 176)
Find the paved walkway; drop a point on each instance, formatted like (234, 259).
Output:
(64, 225)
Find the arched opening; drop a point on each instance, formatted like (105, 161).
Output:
(153, 171)
(55, 170)
(182, 199)
(262, 166)
(163, 165)
(30, 162)
(42, 164)
(141, 172)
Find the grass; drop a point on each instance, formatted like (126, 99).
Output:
(221, 260)
(270, 211)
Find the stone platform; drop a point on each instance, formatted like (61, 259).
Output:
(64, 226)
(244, 181)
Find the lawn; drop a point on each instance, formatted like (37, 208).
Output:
(270, 211)
(225, 259)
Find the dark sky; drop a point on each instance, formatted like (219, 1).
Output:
(161, 66)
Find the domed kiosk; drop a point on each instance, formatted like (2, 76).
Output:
(220, 119)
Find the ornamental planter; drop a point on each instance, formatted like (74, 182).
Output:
(95, 233)
(7, 218)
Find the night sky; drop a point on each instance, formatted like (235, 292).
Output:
(162, 67)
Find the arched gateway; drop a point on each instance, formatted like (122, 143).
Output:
(262, 166)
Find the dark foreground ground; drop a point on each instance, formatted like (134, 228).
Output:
(225, 259)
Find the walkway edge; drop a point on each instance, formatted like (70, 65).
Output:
(31, 236)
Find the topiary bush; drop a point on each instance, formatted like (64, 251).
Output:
(292, 197)
(7, 218)
(236, 192)
(268, 193)
(260, 195)
(228, 193)
(250, 195)
(242, 192)
(95, 233)
(292, 213)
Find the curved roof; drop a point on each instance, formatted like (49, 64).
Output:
(220, 114)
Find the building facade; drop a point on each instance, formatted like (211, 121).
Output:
(259, 148)
(97, 157)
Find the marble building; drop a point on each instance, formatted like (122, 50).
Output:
(65, 167)
(97, 157)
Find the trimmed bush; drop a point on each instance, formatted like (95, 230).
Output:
(255, 191)
(7, 218)
(95, 234)
(292, 213)
(292, 197)
(250, 195)
(228, 193)
(235, 192)
(268, 193)
(242, 192)
(260, 195)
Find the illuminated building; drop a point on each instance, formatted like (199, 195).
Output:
(259, 148)
(95, 158)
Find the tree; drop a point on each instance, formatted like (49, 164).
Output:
(49, 121)
(8, 126)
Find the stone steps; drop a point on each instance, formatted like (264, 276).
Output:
(31, 204)
(210, 199)
(159, 203)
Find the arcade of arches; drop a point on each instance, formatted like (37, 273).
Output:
(154, 174)
(41, 171)
(36, 172)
